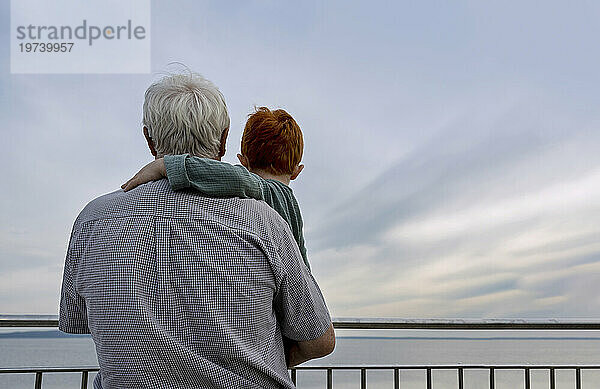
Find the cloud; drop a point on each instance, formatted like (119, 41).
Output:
(457, 228)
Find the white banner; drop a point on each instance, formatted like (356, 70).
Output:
(75, 36)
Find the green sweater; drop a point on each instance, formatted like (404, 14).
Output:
(218, 179)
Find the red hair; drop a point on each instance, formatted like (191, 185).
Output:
(272, 141)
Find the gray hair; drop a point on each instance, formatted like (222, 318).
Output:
(185, 113)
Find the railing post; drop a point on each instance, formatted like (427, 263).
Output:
(84, 379)
(396, 378)
(429, 379)
(552, 379)
(578, 378)
(38, 380)
(363, 378)
(492, 380)
(329, 378)
(527, 379)
(460, 378)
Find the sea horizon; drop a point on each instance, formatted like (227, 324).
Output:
(50, 347)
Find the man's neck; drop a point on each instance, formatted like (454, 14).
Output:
(283, 178)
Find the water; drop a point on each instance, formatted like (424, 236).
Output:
(353, 348)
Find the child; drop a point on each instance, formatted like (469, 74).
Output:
(272, 147)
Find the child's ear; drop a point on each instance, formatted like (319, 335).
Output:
(296, 172)
(244, 161)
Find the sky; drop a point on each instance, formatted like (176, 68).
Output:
(451, 148)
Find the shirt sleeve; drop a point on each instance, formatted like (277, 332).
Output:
(302, 247)
(73, 312)
(296, 217)
(299, 303)
(286, 205)
(211, 177)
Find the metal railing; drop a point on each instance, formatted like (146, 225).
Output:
(39, 371)
(368, 324)
(381, 324)
(460, 372)
(396, 369)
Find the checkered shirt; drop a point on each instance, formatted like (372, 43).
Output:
(184, 291)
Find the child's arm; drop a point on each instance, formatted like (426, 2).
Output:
(212, 178)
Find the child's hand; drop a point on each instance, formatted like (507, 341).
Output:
(155, 170)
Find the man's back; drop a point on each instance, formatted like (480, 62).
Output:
(183, 291)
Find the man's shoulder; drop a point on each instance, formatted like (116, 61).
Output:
(157, 199)
(96, 208)
(139, 201)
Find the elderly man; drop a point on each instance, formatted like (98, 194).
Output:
(184, 291)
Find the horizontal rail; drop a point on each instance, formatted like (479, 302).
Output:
(28, 321)
(465, 325)
(79, 369)
(71, 369)
(372, 324)
(450, 367)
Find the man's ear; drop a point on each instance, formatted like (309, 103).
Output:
(296, 172)
(244, 161)
(150, 142)
(223, 143)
